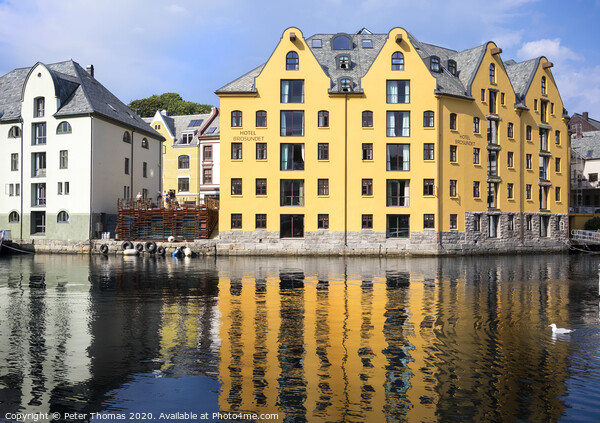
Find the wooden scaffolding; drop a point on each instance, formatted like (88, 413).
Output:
(142, 220)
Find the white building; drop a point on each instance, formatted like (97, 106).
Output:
(70, 149)
(585, 171)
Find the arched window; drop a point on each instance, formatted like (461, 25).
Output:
(341, 42)
(428, 119)
(452, 67)
(39, 105)
(127, 137)
(14, 132)
(183, 162)
(13, 217)
(323, 118)
(367, 119)
(345, 84)
(492, 73)
(63, 217)
(261, 119)
(397, 61)
(64, 128)
(145, 143)
(435, 64)
(292, 61)
(543, 85)
(236, 118)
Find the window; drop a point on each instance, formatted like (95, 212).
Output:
(207, 175)
(397, 61)
(341, 42)
(316, 43)
(66, 188)
(323, 221)
(452, 67)
(398, 226)
(502, 99)
(345, 84)
(453, 221)
(557, 194)
(39, 194)
(144, 169)
(126, 193)
(476, 155)
(261, 119)
(428, 119)
(482, 95)
(62, 217)
(428, 187)
(367, 187)
(126, 166)
(528, 161)
(435, 64)
(493, 226)
(535, 104)
(428, 153)
(366, 43)
(528, 191)
(39, 133)
(593, 177)
(127, 137)
(398, 124)
(428, 221)
(14, 132)
(557, 164)
(492, 100)
(477, 223)
(59, 189)
(187, 138)
(453, 121)
(367, 119)
(323, 187)
(236, 151)
(398, 91)
(236, 118)
(492, 165)
(344, 62)
(292, 61)
(195, 122)
(510, 130)
(207, 151)
(183, 185)
(39, 105)
(183, 162)
(292, 157)
(64, 128)
(14, 162)
(476, 125)
(453, 149)
(292, 192)
(397, 193)
(292, 91)
(552, 108)
(544, 165)
(236, 221)
(291, 226)
(63, 159)
(261, 221)
(492, 74)
(543, 85)
(510, 159)
(367, 151)
(557, 137)
(528, 133)
(544, 111)
(510, 223)
(323, 120)
(367, 221)
(398, 157)
(157, 126)
(145, 143)
(236, 186)
(261, 151)
(13, 217)
(261, 186)
(292, 123)
(528, 222)
(509, 190)
(476, 193)
(453, 188)
(323, 151)
(492, 132)
(491, 195)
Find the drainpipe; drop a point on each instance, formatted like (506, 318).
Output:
(346, 170)
(22, 189)
(522, 178)
(131, 190)
(438, 190)
(91, 226)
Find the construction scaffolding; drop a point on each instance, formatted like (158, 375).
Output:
(144, 219)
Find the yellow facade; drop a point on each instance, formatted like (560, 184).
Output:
(430, 213)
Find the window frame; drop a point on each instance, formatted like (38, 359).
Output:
(292, 61)
(323, 119)
(428, 119)
(367, 151)
(236, 119)
(261, 118)
(260, 187)
(236, 187)
(236, 151)
(323, 151)
(367, 119)
(182, 160)
(367, 187)
(64, 127)
(397, 61)
(428, 151)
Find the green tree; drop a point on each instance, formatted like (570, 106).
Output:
(593, 224)
(171, 102)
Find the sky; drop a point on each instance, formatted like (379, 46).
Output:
(193, 47)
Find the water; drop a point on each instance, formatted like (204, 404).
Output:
(303, 339)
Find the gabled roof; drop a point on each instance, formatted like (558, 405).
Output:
(521, 76)
(79, 93)
(588, 146)
(244, 84)
(181, 125)
(593, 122)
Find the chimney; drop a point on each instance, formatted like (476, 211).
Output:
(90, 70)
(164, 112)
(585, 116)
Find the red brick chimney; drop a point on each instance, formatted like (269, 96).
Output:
(585, 116)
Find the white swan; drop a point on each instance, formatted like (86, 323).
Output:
(559, 330)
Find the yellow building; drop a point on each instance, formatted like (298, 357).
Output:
(381, 143)
(190, 154)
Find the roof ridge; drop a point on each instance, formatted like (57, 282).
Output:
(82, 85)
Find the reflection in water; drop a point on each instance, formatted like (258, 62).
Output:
(310, 339)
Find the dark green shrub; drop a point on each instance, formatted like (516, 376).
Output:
(593, 224)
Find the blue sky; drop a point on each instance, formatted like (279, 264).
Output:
(193, 47)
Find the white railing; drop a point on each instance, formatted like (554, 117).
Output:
(582, 235)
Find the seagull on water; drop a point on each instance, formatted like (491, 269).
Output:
(559, 330)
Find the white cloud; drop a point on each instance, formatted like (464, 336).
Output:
(507, 39)
(580, 89)
(551, 49)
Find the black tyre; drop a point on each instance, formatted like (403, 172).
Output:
(127, 245)
(160, 251)
(139, 247)
(150, 247)
(104, 248)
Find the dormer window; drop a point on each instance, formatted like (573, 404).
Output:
(342, 42)
(126, 137)
(367, 43)
(344, 62)
(543, 85)
(187, 138)
(435, 64)
(492, 73)
(64, 128)
(345, 84)
(397, 61)
(452, 67)
(292, 61)
(195, 122)
(39, 106)
(317, 43)
(14, 132)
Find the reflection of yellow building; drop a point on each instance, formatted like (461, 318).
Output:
(190, 154)
(377, 141)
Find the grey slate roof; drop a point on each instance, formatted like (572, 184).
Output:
(521, 76)
(180, 125)
(244, 83)
(79, 93)
(588, 147)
